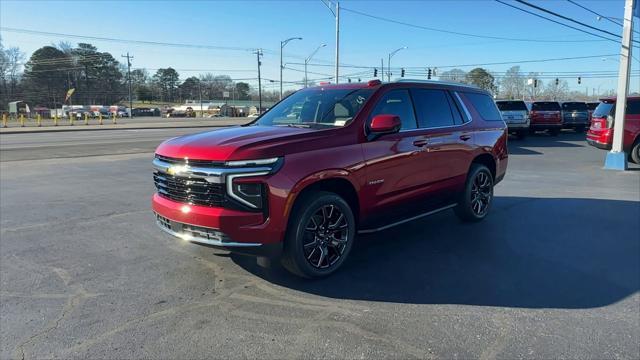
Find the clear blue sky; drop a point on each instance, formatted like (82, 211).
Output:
(364, 41)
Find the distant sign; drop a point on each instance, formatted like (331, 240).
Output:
(225, 94)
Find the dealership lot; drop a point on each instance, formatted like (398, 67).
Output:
(554, 271)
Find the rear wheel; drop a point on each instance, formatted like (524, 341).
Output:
(319, 236)
(475, 202)
(635, 152)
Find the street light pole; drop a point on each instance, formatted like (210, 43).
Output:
(306, 61)
(336, 14)
(282, 45)
(389, 62)
(259, 54)
(617, 159)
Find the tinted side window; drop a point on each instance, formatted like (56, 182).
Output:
(432, 108)
(485, 106)
(397, 102)
(633, 107)
(456, 110)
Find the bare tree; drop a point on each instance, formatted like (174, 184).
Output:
(557, 92)
(512, 85)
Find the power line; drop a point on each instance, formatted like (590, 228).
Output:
(459, 33)
(567, 18)
(609, 19)
(141, 42)
(593, 12)
(554, 21)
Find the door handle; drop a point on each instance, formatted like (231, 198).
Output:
(420, 143)
(465, 137)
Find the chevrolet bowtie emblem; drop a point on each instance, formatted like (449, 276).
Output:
(175, 170)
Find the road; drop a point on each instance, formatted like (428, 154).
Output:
(553, 272)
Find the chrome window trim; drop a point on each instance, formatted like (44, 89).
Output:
(231, 177)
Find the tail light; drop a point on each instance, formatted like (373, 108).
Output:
(609, 121)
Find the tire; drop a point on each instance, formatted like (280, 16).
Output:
(554, 132)
(532, 132)
(521, 135)
(475, 202)
(634, 156)
(333, 236)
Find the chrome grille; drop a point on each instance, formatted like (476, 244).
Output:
(196, 191)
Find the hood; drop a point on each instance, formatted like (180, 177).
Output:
(234, 143)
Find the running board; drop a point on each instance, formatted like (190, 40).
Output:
(368, 231)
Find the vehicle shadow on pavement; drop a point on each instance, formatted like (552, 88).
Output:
(529, 253)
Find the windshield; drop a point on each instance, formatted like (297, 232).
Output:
(604, 109)
(511, 105)
(578, 106)
(546, 106)
(317, 108)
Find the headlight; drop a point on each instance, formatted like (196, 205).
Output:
(251, 194)
(259, 162)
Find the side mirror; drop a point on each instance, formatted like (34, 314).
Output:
(385, 124)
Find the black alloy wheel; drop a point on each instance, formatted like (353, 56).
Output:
(320, 234)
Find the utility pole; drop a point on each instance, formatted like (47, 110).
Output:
(258, 53)
(129, 57)
(337, 38)
(617, 159)
(382, 69)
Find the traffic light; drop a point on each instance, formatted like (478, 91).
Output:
(402, 73)
(579, 80)
(535, 83)
(557, 81)
(429, 73)
(375, 72)
(349, 79)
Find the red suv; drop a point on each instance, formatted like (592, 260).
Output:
(600, 133)
(329, 162)
(546, 115)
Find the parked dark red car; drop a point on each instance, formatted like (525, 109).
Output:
(329, 162)
(600, 133)
(546, 115)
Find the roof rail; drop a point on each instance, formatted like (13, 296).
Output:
(453, 83)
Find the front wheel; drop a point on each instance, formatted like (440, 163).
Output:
(475, 201)
(319, 236)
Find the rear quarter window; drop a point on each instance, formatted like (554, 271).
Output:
(485, 106)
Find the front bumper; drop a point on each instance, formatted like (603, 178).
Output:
(215, 238)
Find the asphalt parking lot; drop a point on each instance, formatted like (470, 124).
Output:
(553, 272)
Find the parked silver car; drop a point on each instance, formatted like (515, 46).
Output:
(516, 115)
